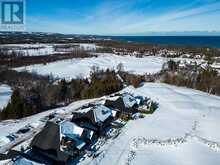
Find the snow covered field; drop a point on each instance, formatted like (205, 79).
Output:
(43, 49)
(81, 67)
(5, 95)
(30, 49)
(184, 130)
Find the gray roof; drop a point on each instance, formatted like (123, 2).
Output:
(101, 113)
(48, 138)
(129, 101)
(126, 104)
(24, 161)
(47, 141)
(70, 129)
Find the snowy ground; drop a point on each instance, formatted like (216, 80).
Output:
(8, 126)
(81, 67)
(216, 66)
(5, 95)
(183, 131)
(43, 49)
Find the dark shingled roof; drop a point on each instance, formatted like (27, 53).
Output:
(119, 105)
(47, 142)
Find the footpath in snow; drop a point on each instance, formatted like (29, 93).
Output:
(182, 131)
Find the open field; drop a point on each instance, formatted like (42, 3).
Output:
(81, 67)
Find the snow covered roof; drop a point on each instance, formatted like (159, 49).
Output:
(24, 161)
(128, 100)
(70, 129)
(139, 99)
(114, 112)
(101, 113)
(80, 144)
(73, 132)
(216, 65)
(113, 98)
(4, 140)
(85, 110)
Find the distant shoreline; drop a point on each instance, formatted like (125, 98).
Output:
(204, 41)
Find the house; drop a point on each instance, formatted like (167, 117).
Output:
(198, 56)
(125, 104)
(60, 141)
(95, 118)
(139, 100)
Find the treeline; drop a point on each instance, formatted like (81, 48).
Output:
(129, 47)
(33, 93)
(17, 59)
(18, 107)
(132, 79)
(191, 76)
(107, 45)
(38, 37)
(196, 77)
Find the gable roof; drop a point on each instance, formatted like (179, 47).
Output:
(47, 142)
(95, 114)
(101, 113)
(129, 101)
(70, 129)
(126, 104)
(139, 99)
(49, 139)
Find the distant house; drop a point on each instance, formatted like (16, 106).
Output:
(125, 104)
(198, 56)
(95, 118)
(60, 142)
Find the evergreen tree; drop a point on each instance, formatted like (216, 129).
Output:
(14, 109)
(63, 90)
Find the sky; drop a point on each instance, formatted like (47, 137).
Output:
(123, 17)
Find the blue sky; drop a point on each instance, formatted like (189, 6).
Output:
(119, 17)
